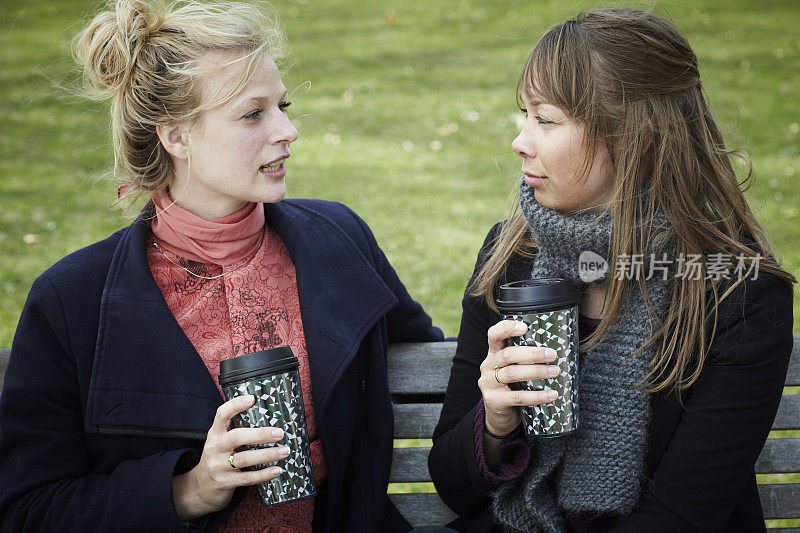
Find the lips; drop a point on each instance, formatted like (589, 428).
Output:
(532, 175)
(532, 180)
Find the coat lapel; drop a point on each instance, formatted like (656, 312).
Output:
(146, 373)
(148, 378)
(341, 294)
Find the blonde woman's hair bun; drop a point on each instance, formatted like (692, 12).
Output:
(109, 46)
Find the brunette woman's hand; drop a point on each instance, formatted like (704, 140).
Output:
(209, 486)
(509, 364)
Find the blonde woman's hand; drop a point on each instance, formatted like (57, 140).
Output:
(509, 364)
(209, 486)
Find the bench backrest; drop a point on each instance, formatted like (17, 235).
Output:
(418, 375)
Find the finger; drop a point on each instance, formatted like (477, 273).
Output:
(525, 355)
(514, 373)
(501, 331)
(260, 456)
(520, 398)
(226, 411)
(249, 436)
(487, 383)
(247, 478)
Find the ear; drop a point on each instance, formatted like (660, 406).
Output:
(174, 138)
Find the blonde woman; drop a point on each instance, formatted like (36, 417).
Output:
(682, 360)
(111, 417)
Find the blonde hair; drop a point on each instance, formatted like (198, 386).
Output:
(632, 80)
(146, 57)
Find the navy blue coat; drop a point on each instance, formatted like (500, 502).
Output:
(699, 467)
(105, 398)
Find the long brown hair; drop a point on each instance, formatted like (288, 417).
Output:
(631, 79)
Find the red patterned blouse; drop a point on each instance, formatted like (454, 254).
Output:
(255, 307)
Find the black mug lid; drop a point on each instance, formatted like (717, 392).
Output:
(272, 361)
(539, 294)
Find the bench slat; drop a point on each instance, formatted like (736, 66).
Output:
(424, 368)
(5, 354)
(410, 465)
(415, 420)
(788, 416)
(779, 456)
(793, 375)
(420, 368)
(780, 501)
(423, 509)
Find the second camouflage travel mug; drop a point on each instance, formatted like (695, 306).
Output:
(549, 308)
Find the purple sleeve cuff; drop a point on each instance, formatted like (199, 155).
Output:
(514, 452)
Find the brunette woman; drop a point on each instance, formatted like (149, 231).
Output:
(685, 340)
(111, 416)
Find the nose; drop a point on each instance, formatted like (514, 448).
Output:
(284, 131)
(523, 145)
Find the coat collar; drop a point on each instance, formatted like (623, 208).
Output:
(148, 378)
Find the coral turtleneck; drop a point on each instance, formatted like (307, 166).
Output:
(222, 241)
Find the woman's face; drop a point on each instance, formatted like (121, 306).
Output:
(553, 152)
(236, 151)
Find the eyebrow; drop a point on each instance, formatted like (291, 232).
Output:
(259, 98)
(534, 103)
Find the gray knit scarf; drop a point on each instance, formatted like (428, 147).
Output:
(600, 467)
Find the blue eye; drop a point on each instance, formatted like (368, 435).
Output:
(541, 120)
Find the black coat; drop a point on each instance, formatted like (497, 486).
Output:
(105, 398)
(700, 460)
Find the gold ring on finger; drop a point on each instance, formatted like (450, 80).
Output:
(496, 376)
(230, 460)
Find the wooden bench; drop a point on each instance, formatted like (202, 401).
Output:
(418, 375)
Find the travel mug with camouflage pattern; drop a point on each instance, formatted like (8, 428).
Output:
(273, 377)
(549, 307)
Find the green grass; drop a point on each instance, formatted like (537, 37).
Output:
(408, 119)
